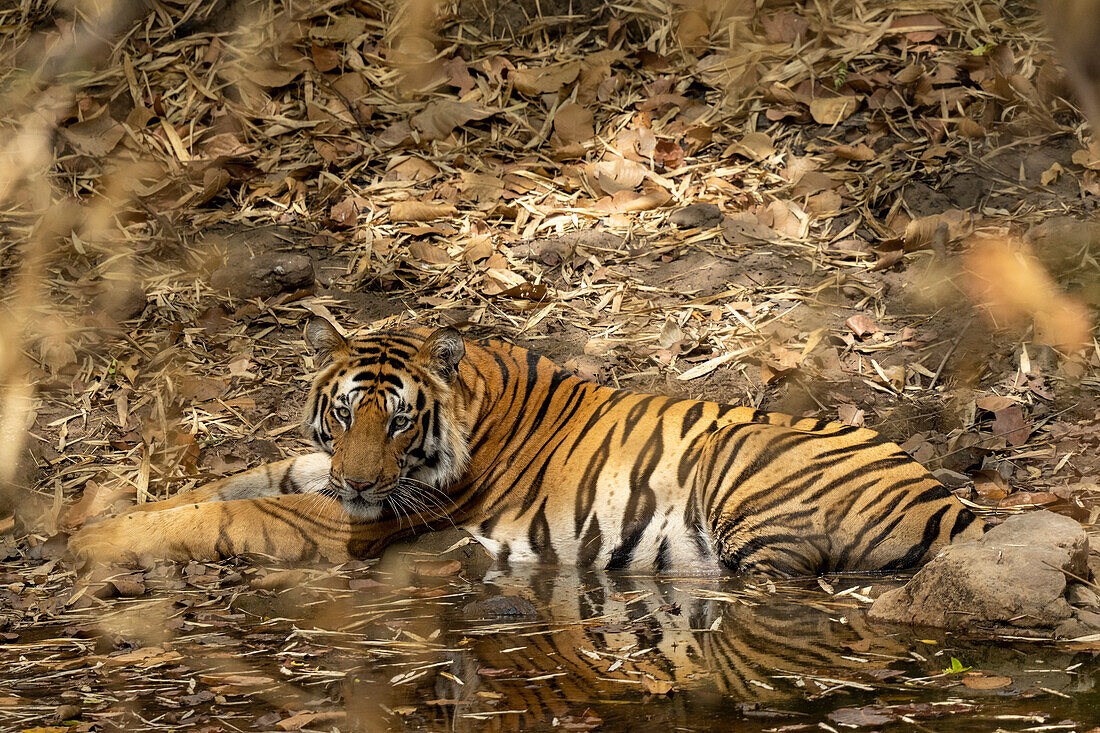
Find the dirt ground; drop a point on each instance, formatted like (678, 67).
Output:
(883, 215)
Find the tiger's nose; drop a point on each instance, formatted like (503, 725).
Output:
(359, 486)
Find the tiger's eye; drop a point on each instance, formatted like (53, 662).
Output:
(399, 423)
(343, 413)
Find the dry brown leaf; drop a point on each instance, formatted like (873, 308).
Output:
(344, 28)
(971, 129)
(438, 119)
(303, 719)
(420, 211)
(862, 326)
(93, 500)
(351, 85)
(280, 580)
(128, 586)
(1088, 158)
(437, 568)
(346, 213)
(888, 259)
(637, 143)
(618, 174)
(990, 485)
(429, 253)
(145, 657)
(273, 77)
(919, 28)
(410, 169)
(1010, 424)
(692, 30)
(858, 152)
(994, 402)
(96, 137)
(1051, 174)
(458, 75)
(850, 415)
(56, 352)
(325, 58)
(480, 187)
(772, 371)
(1029, 498)
(573, 124)
(833, 110)
(754, 146)
(938, 229)
(785, 27)
(628, 201)
(546, 79)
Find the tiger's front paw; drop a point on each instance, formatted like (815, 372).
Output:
(117, 539)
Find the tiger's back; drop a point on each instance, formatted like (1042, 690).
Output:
(616, 479)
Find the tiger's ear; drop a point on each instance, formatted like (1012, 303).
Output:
(442, 351)
(323, 337)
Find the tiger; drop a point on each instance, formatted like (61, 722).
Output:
(423, 428)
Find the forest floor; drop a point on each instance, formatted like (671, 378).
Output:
(879, 215)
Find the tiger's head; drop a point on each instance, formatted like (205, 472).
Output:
(385, 410)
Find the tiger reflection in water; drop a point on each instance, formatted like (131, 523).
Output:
(598, 634)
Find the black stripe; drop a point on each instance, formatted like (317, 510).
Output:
(962, 521)
(919, 550)
(691, 417)
(538, 534)
(590, 545)
(664, 559)
(586, 490)
(624, 553)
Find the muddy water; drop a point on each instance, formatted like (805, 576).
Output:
(617, 652)
(571, 651)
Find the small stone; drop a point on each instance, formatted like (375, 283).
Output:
(1090, 620)
(263, 275)
(497, 606)
(696, 216)
(1082, 596)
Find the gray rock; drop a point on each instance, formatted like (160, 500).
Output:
(1016, 575)
(696, 216)
(263, 275)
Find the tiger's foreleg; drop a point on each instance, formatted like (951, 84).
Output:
(292, 527)
(299, 475)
